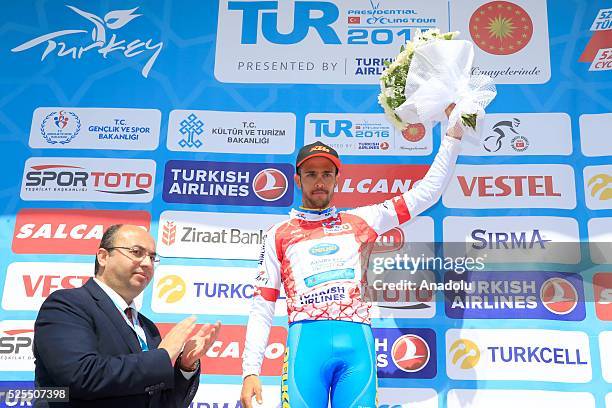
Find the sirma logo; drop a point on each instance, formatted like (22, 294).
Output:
(464, 353)
(171, 288)
(318, 15)
(324, 249)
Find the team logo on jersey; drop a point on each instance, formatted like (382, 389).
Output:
(323, 249)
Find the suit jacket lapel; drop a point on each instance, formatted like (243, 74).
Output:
(153, 336)
(114, 315)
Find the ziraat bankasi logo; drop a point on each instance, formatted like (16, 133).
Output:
(188, 234)
(88, 179)
(96, 34)
(226, 183)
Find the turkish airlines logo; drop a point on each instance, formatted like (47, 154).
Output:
(270, 184)
(410, 353)
(501, 28)
(169, 233)
(171, 288)
(464, 354)
(360, 184)
(559, 296)
(59, 231)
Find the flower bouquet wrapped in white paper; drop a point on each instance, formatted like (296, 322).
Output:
(430, 73)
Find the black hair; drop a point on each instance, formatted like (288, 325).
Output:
(107, 241)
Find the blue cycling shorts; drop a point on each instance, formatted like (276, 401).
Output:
(329, 361)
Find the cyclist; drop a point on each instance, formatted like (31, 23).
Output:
(318, 255)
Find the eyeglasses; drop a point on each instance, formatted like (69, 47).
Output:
(137, 253)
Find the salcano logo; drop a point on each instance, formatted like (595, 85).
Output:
(225, 183)
(63, 231)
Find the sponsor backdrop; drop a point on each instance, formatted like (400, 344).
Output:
(185, 118)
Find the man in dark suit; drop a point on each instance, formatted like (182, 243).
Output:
(93, 341)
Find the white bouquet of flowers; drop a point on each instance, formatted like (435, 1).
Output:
(430, 73)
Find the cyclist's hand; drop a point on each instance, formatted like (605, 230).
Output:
(251, 386)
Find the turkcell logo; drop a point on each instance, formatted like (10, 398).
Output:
(405, 353)
(516, 295)
(318, 15)
(324, 249)
(227, 183)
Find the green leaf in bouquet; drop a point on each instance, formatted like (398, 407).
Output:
(469, 119)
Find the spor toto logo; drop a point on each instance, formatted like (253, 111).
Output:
(171, 288)
(559, 296)
(410, 353)
(270, 184)
(501, 28)
(464, 353)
